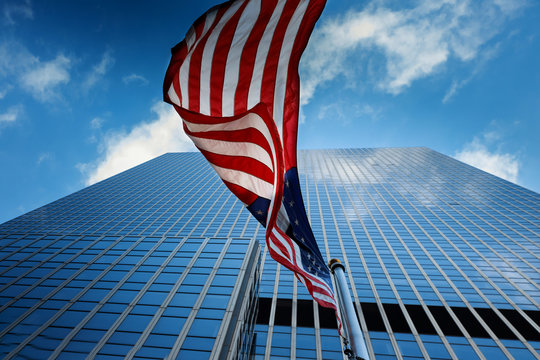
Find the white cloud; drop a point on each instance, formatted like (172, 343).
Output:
(96, 123)
(14, 58)
(123, 150)
(98, 71)
(11, 115)
(477, 154)
(135, 78)
(23, 9)
(4, 92)
(486, 55)
(456, 85)
(44, 156)
(43, 78)
(414, 42)
(510, 6)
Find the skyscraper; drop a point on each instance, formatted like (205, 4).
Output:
(443, 261)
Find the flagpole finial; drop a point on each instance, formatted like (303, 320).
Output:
(334, 262)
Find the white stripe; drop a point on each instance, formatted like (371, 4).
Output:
(302, 277)
(318, 294)
(278, 250)
(183, 75)
(232, 68)
(283, 65)
(281, 82)
(208, 21)
(183, 72)
(303, 280)
(245, 180)
(319, 283)
(319, 290)
(282, 220)
(286, 244)
(208, 56)
(251, 120)
(254, 96)
(297, 251)
(232, 148)
(190, 38)
(173, 96)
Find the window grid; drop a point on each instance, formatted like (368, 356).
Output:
(415, 229)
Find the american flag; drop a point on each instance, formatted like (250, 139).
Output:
(234, 82)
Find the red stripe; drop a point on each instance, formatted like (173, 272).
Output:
(219, 61)
(272, 60)
(317, 290)
(179, 53)
(250, 135)
(309, 283)
(245, 196)
(194, 82)
(310, 280)
(249, 53)
(293, 265)
(293, 262)
(198, 25)
(285, 157)
(241, 163)
(195, 117)
(292, 90)
(287, 262)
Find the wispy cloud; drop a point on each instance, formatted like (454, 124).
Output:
(98, 71)
(44, 156)
(336, 112)
(414, 42)
(96, 123)
(44, 78)
(11, 115)
(483, 57)
(478, 154)
(123, 150)
(15, 9)
(4, 91)
(14, 58)
(453, 89)
(135, 78)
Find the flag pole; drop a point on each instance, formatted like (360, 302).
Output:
(353, 333)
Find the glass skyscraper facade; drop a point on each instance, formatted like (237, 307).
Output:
(161, 261)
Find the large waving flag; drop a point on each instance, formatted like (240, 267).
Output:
(234, 82)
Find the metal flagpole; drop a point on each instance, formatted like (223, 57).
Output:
(353, 333)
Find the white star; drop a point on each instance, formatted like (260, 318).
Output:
(291, 203)
(259, 212)
(296, 222)
(287, 183)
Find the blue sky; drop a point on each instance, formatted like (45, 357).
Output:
(80, 86)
